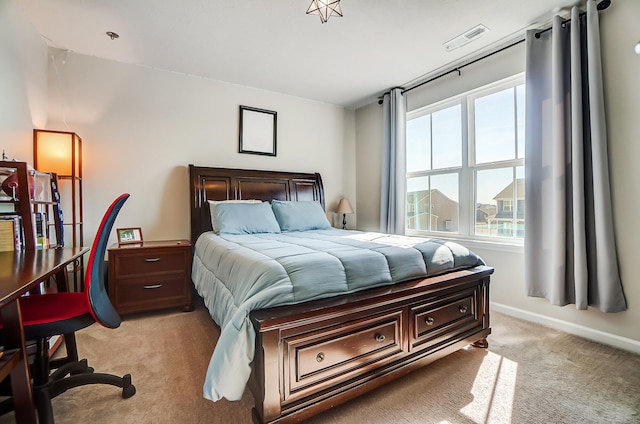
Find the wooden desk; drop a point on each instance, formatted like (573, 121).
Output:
(20, 272)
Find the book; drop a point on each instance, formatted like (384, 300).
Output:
(10, 231)
(59, 219)
(18, 233)
(41, 230)
(7, 236)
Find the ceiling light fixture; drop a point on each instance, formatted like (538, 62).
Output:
(325, 8)
(113, 35)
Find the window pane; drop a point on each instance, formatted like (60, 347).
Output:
(493, 188)
(444, 203)
(418, 203)
(495, 132)
(489, 185)
(432, 203)
(419, 144)
(521, 109)
(447, 137)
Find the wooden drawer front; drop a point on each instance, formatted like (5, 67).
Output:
(341, 352)
(135, 294)
(150, 262)
(436, 320)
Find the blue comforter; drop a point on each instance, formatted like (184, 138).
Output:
(236, 274)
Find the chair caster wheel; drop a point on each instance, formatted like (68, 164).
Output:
(128, 391)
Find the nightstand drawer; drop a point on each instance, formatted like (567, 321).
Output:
(149, 262)
(138, 293)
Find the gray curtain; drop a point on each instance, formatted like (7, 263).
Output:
(392, 195)
(570, 251)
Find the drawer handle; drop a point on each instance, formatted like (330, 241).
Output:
(152, 259)
(320, 357)
(462, 309)
(380, 338)
(153, 286)
(429, 320)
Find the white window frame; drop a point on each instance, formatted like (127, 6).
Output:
(467, 172)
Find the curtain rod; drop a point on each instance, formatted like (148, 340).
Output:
(457, 68)
(601, 6)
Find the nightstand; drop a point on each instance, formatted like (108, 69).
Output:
(150, 275)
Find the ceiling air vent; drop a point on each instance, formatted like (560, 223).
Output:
(465, 38)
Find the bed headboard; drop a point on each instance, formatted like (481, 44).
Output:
(232, 184)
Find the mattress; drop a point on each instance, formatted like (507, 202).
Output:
(236, 274)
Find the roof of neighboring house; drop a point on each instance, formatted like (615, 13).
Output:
(507, 192)
(435, 193)
(490, 210)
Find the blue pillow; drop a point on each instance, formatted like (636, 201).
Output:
(243, 218)
(213, 203)
(300, 216)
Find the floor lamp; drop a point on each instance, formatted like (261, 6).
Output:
(60, 152)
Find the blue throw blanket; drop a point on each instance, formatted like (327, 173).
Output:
(236, 274)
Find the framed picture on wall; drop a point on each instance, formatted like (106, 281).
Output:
(258, 131)
(129, 235)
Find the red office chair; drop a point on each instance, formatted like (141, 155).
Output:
(52, 314)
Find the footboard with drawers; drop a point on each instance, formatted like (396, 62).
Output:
(313, 356)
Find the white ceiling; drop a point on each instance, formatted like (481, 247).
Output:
(274, 45)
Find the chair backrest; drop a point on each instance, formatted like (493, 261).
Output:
(101, 308)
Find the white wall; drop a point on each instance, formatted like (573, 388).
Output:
(23, 82)
(368, 160)
(621, 66)
(348, 171)
(141, 127)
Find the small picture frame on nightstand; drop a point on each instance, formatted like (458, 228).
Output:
(129, 235)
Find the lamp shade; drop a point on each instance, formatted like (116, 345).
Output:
(58, 151)
(344, 206)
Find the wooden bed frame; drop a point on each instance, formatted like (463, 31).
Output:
(315, 355)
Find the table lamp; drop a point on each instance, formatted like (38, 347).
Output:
(344, 207)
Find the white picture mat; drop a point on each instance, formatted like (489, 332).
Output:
(258, 131)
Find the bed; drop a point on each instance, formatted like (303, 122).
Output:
(305, 357)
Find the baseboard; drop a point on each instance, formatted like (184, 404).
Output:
(568, 327)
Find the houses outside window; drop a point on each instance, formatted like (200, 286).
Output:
(465, 164)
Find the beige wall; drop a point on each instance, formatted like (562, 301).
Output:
(619, 33)
(23, 82)
(141, 127)
(368, 159)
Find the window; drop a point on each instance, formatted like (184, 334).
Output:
(465, 164)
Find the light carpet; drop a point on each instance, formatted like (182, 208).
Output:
(529, 374)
